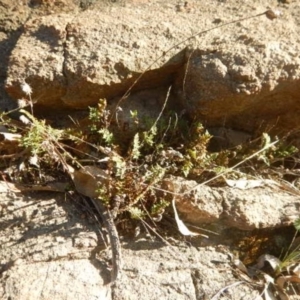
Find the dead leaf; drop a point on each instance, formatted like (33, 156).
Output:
(296, 270)
(88, 179)
(239, 264)
(181, 226)
(34, 160)
(7, 136)
(280, 281)
(269, 295)
(271, 259)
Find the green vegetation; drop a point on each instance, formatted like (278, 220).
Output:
(168, 147)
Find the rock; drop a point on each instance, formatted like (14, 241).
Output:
(94, 61)
(12, 18)
(108, 51)
(225, 138)
(262, 207)
(196, 204)
(255, 208)
(234, 90)
(55, 280)
(167, 272)
(50, 248)
(237, 76)
(238, 79)
(147, 103)
(44, 71)
(12, 15)
(46, 250)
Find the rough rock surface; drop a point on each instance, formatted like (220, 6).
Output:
(266, 206)
(235, 75)
(244, 76)
(51, 247)
(182, 273)
(55, 248)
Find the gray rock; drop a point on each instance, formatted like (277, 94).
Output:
(49, 250)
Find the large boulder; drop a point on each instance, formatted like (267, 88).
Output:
(244, 75)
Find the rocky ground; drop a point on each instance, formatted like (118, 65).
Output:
(51, 247)
(240, 80)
